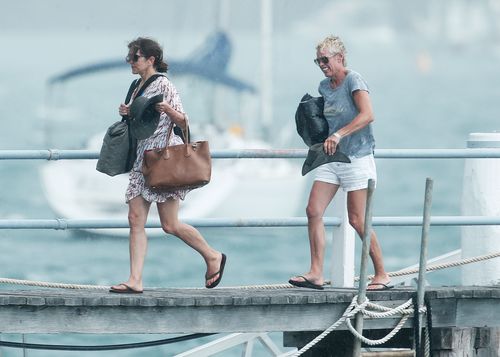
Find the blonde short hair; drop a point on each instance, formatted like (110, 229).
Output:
(334, 45)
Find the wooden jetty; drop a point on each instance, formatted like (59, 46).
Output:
(463, 318)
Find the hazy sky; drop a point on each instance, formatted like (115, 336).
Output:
(94, 15)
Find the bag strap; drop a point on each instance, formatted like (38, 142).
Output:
(125, 118)
(185, 132)
(133, 87)
(147, 83)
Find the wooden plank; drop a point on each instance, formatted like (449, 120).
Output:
(160, 319)
(226, 310)
(452, 342)
(443, 312)
(478, 313)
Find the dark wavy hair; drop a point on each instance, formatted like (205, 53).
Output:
(149, 48)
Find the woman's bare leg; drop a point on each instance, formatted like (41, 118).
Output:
(320, 197)
(170, 223)
(356, 206)
(138, 243)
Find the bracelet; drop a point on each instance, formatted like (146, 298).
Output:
(337, 135)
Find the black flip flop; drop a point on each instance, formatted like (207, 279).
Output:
(127, 290)
(220, 272)
(383, 286)
(305, 284)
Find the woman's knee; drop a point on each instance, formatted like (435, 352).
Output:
(136, 219)
(357, 223)
(170, 228)
(313, 211)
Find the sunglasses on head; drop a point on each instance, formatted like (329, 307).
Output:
(323, 59)
(133, 58)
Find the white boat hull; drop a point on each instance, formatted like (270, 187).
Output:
(244, 188)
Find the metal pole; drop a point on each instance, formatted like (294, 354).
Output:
(25, 352)
(423, 253)
(363, 275)
(480, 196)
(266, 67)
(343, 245)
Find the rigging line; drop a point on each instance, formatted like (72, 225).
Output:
(433, 267)
(38, 346)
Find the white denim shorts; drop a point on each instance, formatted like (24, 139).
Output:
(350, 177)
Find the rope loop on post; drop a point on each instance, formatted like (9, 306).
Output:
(366, 308)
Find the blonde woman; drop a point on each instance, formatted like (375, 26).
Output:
(349, 113)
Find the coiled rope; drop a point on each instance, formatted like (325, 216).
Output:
(377, 311)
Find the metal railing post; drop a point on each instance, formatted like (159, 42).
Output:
(481, 196)
(363, 274)
(423, 253)
(343, 244)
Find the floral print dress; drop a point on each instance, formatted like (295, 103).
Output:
(136, 186)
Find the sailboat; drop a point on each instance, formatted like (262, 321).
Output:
(238, 189)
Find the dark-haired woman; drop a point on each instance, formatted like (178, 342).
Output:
(145, 57)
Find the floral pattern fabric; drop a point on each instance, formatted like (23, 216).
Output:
(136, 186)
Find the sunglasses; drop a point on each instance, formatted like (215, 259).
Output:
(323, 59)
(133, 58)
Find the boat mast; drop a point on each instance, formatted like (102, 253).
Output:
(266, 88)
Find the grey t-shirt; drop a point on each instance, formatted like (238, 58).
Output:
(340, 110)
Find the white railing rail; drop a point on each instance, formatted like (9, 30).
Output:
(342, 267)
(66, 224)
(343, 235)
(56, 154)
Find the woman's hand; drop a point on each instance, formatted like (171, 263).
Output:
(124, 110)
(163, 107)
(330, 144)
(177, 117)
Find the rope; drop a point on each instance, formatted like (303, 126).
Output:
(423, 347)
(428, 328)
(416, 330)
(51, 285)
(105, 287)
(441, 266)
(250, 287)
(405, 310)
(352, 308)
(427, 346)
(381, 340)
(257, 287)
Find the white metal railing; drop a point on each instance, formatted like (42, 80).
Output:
(342, 270)
(342, 267)
(63, 223)
(55, 154)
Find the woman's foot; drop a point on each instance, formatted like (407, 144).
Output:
(380, 283)
(305, 281)
(214, 272)
(125, 288)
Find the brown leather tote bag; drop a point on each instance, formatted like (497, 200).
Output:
(178, 167)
